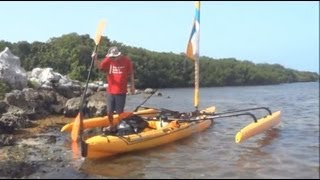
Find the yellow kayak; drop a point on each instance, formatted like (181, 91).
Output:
(157, 132)
(101, 146)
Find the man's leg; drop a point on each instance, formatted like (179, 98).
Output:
(120, 101)
(110, 109)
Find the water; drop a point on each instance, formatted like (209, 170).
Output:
(290, 150)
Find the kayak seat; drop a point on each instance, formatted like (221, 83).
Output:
(173, 124)
(164, 124)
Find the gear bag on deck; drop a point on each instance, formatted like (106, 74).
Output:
(131, 125)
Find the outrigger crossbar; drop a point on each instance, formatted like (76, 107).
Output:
(221, 116)
(208, 116)
(249, 109)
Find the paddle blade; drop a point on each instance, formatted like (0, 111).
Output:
(76, 128)
(124, 115)
(147, 112)
(100, 29)
(121, 116)
(75, 150)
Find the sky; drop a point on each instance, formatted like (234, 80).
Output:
(273, 32)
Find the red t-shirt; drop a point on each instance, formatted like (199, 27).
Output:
(117, 73)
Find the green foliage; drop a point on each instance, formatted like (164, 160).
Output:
(4, 88)
(32, 84)
(70, 55)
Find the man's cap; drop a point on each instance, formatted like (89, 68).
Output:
(113, 52)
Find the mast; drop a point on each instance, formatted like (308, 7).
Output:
(193, 52)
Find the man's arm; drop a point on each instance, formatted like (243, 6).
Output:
(131, 80)
(96, 62)
(132, 85)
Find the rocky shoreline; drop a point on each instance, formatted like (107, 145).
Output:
(36, 151)
(41, 152)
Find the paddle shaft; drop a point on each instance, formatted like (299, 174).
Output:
(84, 93)
(75, 130)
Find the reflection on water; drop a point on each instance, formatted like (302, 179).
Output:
(290, 150)
(121, 166)
(248, 159)
(156, 161)
(269, 136)
(193, 155)
(76, 153)
(134, 164)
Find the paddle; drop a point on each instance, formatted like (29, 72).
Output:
(77, 126)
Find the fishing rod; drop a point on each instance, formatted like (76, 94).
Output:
(136, 109)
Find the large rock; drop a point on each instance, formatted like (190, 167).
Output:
(11, 71)
(46, 78)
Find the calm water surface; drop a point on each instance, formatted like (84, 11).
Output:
(290, 150)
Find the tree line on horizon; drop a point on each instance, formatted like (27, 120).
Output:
(70, 55)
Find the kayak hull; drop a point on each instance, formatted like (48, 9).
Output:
(101, 146)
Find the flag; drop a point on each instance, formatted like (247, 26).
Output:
(193, 43)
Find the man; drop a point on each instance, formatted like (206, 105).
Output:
(119, 71)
